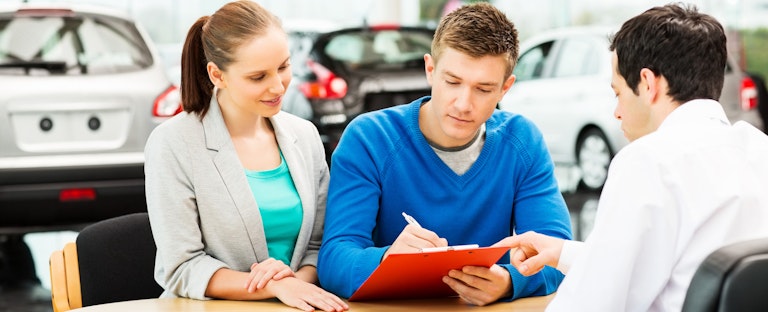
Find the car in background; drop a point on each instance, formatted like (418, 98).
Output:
(82, 90)
(563, 86)
(341, 72)
(762, 97)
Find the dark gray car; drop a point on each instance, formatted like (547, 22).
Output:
(342, 73)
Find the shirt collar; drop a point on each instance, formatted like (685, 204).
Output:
(701, 110)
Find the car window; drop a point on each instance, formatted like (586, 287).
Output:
(299, 45)
(380, 49)
(577, 57)
(72, 45)
(530, 65)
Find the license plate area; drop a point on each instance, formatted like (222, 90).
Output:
(74, 129)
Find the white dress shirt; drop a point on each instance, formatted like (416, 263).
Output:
(671, 198)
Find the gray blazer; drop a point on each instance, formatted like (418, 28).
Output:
(203, 214)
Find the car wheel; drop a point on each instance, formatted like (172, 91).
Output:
(593, 155)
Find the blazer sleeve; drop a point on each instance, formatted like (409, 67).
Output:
(182, 267)
(321, 176)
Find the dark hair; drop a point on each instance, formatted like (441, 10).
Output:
(675, 41)
(214, 39)
(478, 30)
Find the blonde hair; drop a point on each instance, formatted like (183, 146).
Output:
(477, 30)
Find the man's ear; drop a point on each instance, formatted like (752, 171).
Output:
(429, 67)
(650, 84)
(508, 84)
(216, 75)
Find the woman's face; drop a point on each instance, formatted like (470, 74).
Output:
(255, 82)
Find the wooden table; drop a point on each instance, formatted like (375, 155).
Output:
(447, 304)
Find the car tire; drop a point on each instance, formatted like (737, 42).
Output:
(593, 156)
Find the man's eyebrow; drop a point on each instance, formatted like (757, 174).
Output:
(449, 73)
(485, 83)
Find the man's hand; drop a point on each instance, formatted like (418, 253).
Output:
(531, 251)
(413, 238)
(480, 285)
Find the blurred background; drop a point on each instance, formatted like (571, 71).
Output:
(167, 21)
(582, 150)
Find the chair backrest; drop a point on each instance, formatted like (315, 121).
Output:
(117, 260)
(732, 278)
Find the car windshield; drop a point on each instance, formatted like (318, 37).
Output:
(384, 49)
(70, 45)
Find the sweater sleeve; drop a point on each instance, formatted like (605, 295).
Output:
(538, 206)
(348, 255)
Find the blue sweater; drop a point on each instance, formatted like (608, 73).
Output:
(383, 166)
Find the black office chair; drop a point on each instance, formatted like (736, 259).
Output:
(732, 278)
(112, 260)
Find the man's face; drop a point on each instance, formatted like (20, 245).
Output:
(633, 110)
(465, 91)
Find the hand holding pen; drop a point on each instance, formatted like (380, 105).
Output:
(414, 238)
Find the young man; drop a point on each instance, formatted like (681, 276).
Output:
(469, 174)
(688, 183)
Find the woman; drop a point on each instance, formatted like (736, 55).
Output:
(235, 188)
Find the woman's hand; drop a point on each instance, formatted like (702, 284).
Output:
(262, 273)
(305, 296)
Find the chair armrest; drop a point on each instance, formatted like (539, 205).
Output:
(72, 268)
(59, 298)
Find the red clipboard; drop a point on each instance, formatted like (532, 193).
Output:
(419, 275)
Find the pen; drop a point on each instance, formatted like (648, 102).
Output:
(447, 248)
(410, 220)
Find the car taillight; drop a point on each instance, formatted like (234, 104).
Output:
(327, 85)
(748, 94)
(380, 27)
(77, 194)
(168, 103)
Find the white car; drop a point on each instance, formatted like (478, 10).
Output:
(564, 86)
(82, 89)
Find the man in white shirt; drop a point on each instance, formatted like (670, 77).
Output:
(688, 183)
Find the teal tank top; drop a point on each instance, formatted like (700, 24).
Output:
(280, 208)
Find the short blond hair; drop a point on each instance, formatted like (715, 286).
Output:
(477, 30)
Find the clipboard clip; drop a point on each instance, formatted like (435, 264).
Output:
(447, 248)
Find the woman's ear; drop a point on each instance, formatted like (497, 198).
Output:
(216, 75)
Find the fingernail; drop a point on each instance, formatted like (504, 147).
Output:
(523, 268)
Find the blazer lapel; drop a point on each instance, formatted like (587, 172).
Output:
(302, 180)
(227, 163)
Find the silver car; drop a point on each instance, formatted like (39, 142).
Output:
(563, 86)
(82, 90)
